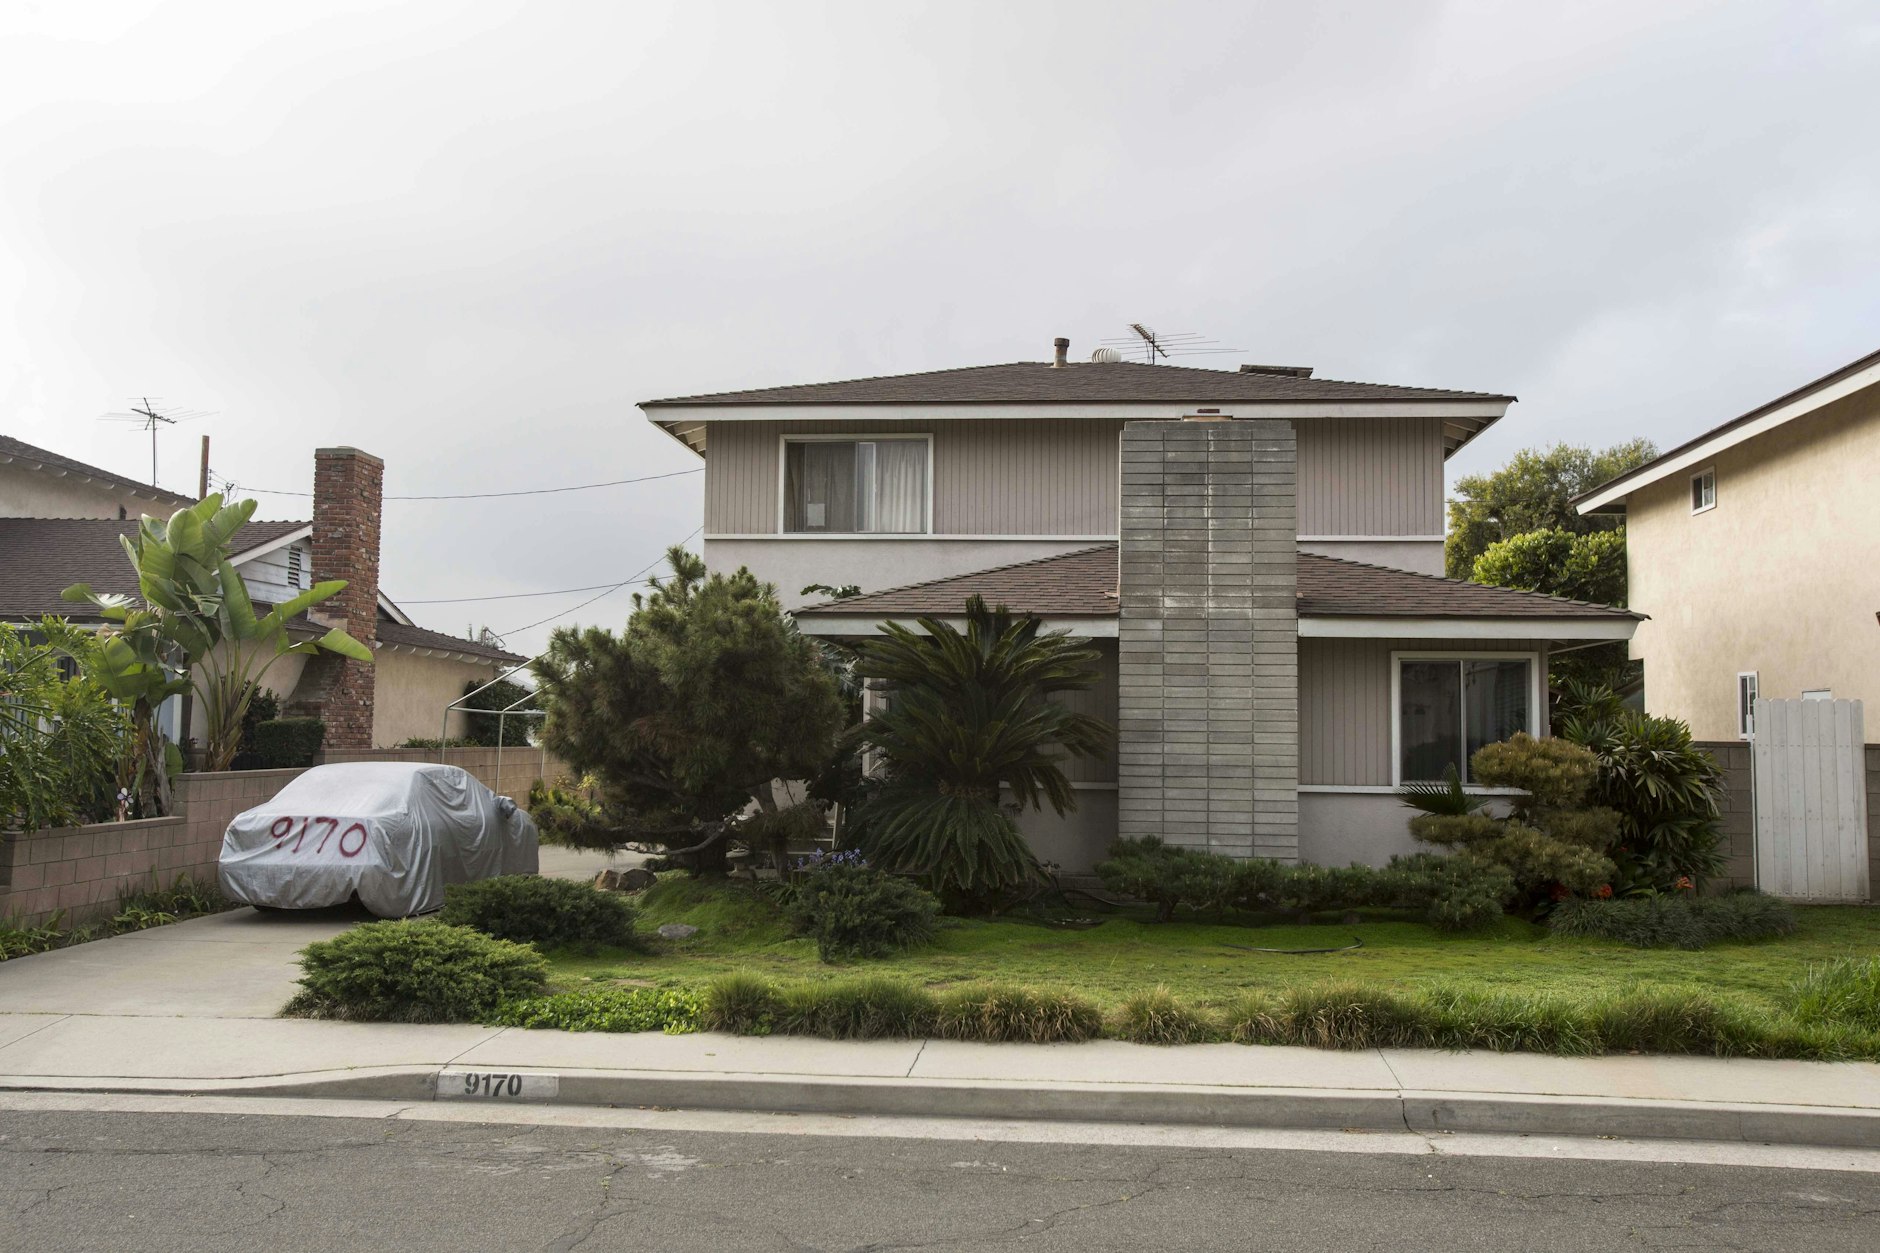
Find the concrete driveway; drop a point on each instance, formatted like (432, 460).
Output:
(235, 965)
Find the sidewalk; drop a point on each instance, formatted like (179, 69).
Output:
(187, 1008)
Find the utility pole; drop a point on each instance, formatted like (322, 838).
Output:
(202, 480)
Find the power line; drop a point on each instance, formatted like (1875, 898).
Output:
(536, 491)
(609, 592)
(560, 591)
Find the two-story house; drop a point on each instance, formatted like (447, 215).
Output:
(1752, 547)
(1256, 552)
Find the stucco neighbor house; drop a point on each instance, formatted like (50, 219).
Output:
(60, 523)
(1755, 550)
(1256, 553)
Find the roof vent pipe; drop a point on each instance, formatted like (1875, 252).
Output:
(1063, 352)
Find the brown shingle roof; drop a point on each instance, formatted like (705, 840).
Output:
(418, 637)
(41, 557)
(1083, 583)
(19, 450)
(1037, 382)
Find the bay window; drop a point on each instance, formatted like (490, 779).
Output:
(1449, 706)
(861, 486)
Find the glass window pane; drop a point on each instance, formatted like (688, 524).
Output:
(1429, 714)
(819, 486)
(1495, 702)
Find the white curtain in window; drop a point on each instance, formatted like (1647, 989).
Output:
(900, 495)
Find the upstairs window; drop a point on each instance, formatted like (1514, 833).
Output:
(857, 486)
(1746, 693)
(1704, 490)
(1447, 707)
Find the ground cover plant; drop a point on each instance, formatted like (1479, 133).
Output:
(1679, 920)
(535, 909)
(184, 899)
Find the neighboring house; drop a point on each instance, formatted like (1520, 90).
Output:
(1755, 549)
(72, 536)
(1256, 555)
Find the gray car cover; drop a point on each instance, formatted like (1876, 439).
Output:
(394, 832)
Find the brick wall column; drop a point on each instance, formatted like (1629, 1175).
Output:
(348, 491)
(1208, 694)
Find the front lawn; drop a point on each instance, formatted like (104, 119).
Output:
(1208, 966)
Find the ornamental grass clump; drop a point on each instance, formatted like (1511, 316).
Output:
(550, 913)
(1843, 992)
(1681, 1020)
(1156, 1017)
(414, 972)
(869, 1007)
(1508, 1021)
(1004, 1014)
(742, 1004)
(1354, 1016)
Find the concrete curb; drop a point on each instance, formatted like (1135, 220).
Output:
(1235, 1107)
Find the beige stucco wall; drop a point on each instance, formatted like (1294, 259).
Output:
(28, 493)
(410, 691)
(1782, 577)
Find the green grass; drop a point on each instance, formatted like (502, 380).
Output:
(1512, 985)
(741, 929)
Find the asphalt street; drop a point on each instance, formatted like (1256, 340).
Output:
(160, 1181)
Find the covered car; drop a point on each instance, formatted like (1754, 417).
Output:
(395, 833)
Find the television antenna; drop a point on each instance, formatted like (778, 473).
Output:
(153, 419)
(1154, 344)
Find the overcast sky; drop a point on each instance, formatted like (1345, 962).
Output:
(469, 236)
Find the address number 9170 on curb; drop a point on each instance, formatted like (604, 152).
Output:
(496, 1085)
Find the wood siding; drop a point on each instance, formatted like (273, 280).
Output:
(1344, 704)
(1044, 477)
(1371, 476)
(1058, 476)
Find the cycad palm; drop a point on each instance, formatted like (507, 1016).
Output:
(969, 713)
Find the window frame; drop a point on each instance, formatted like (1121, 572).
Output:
(1746, 711)
(1708, 472)
(783, 485)
(1537, 701)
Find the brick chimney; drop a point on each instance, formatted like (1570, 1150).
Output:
(348, 490)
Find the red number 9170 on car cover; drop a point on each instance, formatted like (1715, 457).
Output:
(393, 833)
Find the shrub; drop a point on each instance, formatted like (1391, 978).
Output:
(288, 743)
(742, 1004)
(1666, 791)
(425, 971)
(865, 1008)
(1002, 1014)
(531, 909)
(674, 1011)
(1675, 921)
(1156, 1017)
(1453, 893)
(1554, 773)
(63, 739)
(854, 910)
(1843, 991)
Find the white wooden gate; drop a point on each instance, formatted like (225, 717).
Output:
(1811, 799)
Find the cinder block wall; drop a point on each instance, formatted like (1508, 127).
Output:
(1208, 696)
